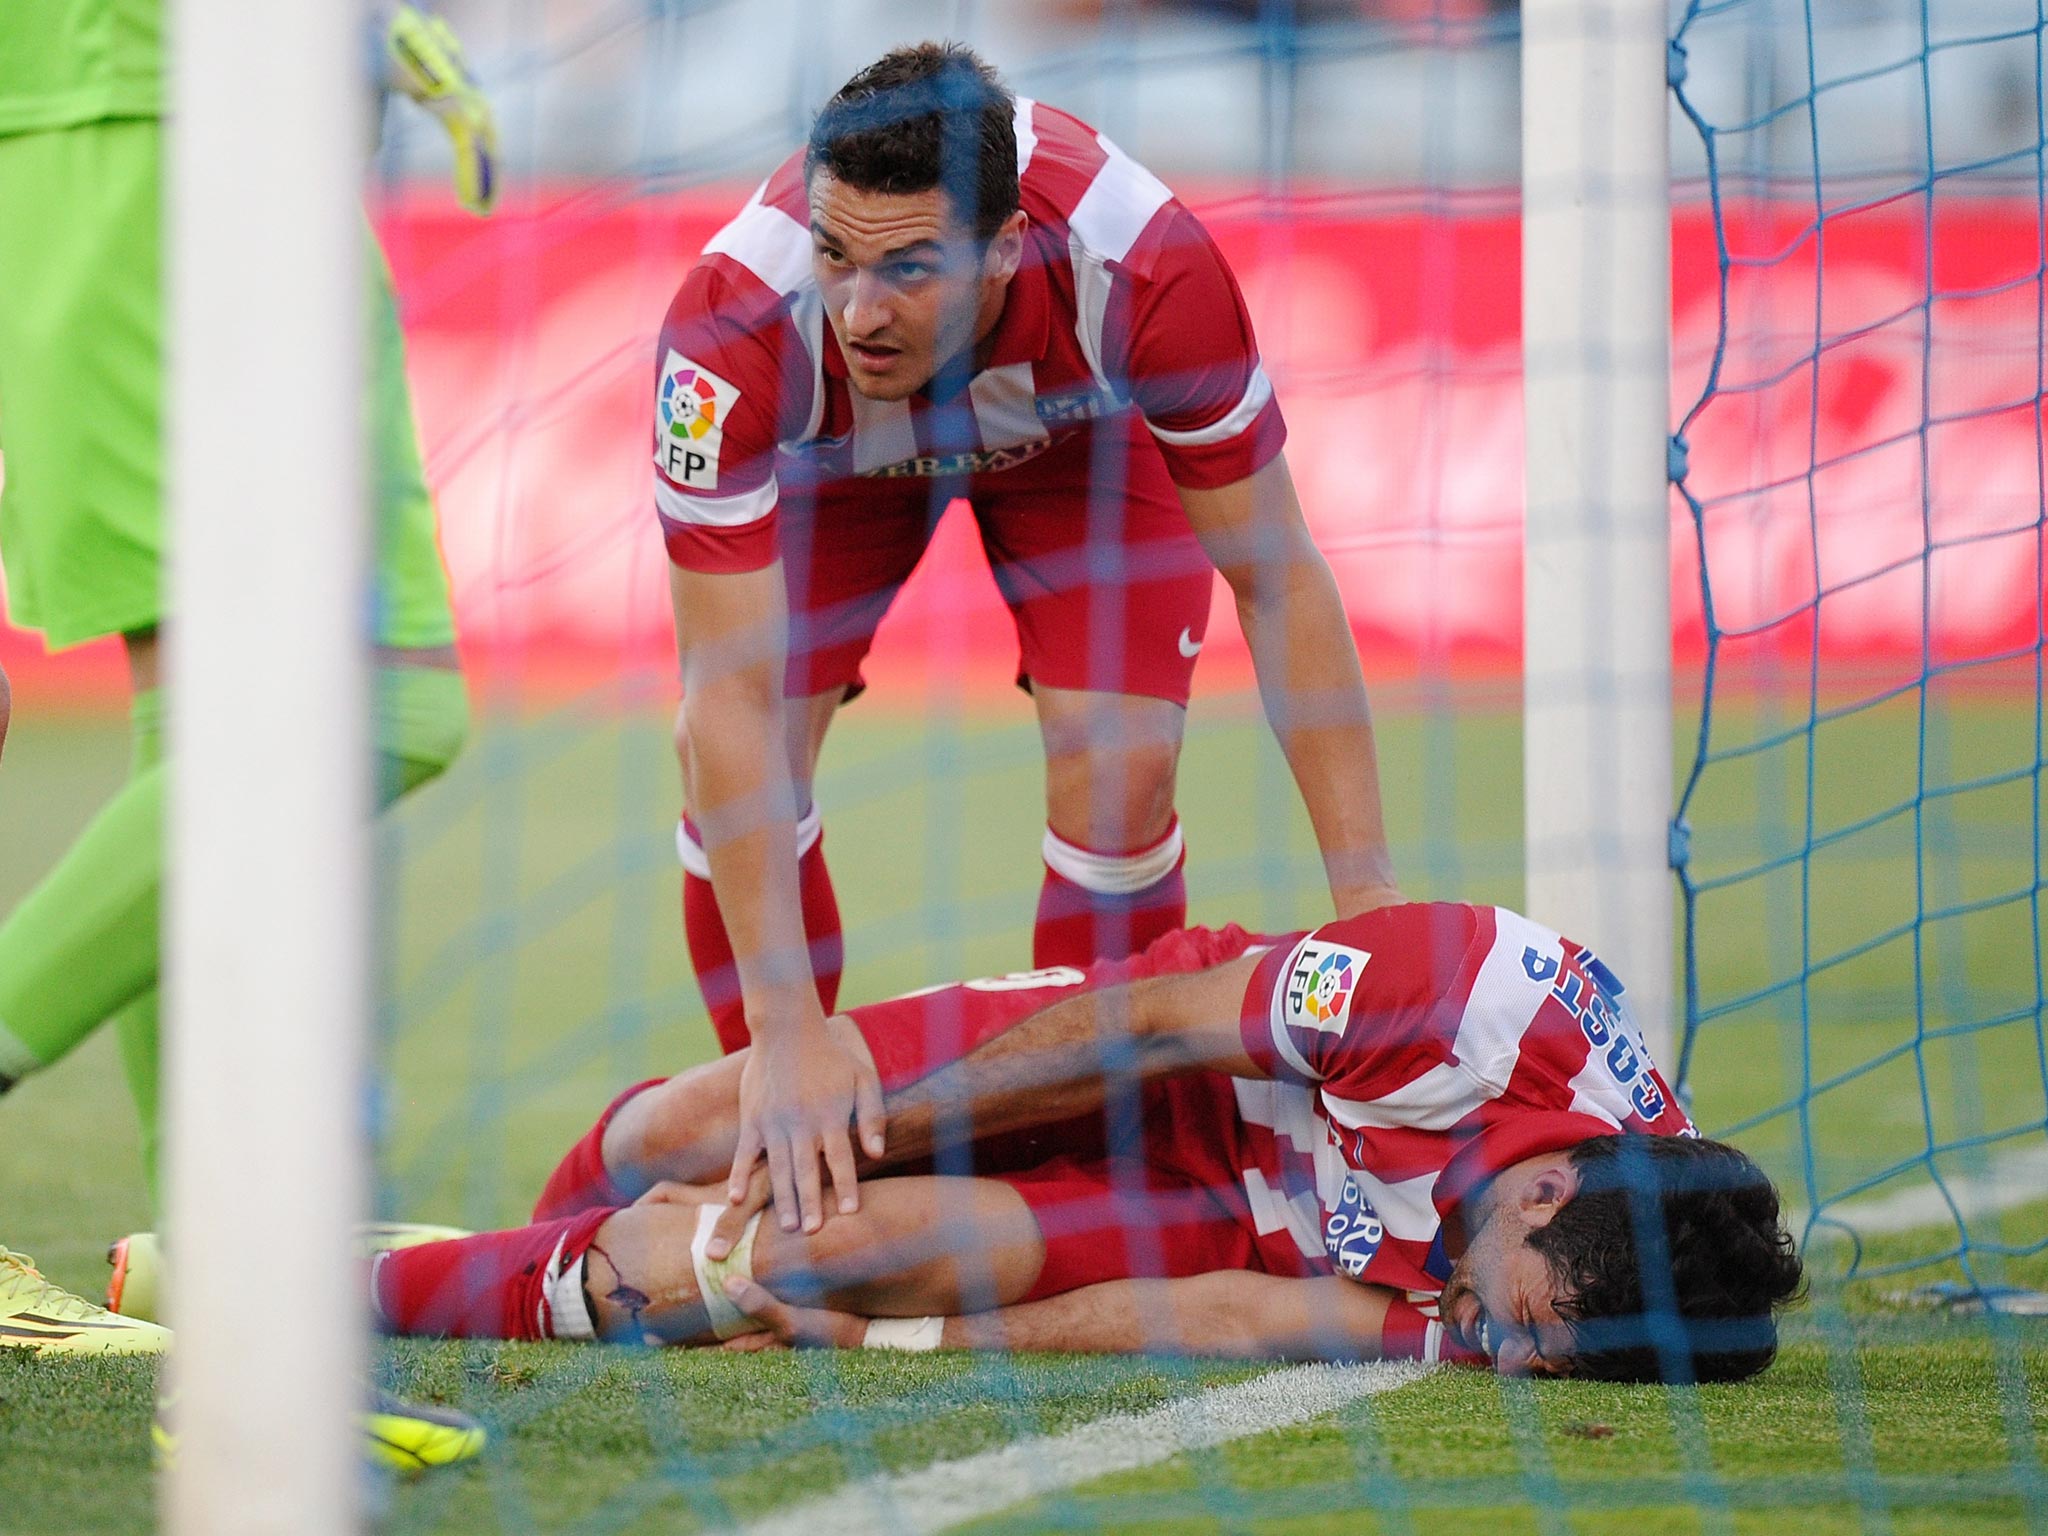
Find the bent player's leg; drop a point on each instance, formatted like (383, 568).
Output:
(1110, 593)
(1113, 847)
(917, 1246)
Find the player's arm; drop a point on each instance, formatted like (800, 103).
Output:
(1309, 678)
(1233, 1314)
(1061, 1061)
(800, 1087)
(1185, 339)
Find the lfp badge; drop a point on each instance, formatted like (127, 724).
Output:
(1320, 985)
(688, 405)
(691, 407)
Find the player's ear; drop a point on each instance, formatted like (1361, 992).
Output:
(1545, 1190)
(1005, 251)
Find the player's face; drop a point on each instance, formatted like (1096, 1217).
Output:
(906, 285)
(1501, 1298)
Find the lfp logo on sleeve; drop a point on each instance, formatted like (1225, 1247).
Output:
(1320, 984)
(691, 407)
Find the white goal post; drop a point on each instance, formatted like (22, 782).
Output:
(266, 919)
(1596, 308)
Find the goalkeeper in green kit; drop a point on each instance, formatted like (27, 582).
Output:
(82, 159)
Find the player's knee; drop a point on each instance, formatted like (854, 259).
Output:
(848, 1251)
(1119, 801)
(684, 1130)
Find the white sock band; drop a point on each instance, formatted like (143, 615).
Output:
(1115, 874)
(727, 1320)
(565, 1310)
(916, 1334)
(690, 853)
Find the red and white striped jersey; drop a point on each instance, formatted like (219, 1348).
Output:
(1122, 302)
(1416, 1051)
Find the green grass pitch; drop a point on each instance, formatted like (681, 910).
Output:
(534, 965)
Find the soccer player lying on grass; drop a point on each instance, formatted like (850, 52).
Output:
(1221, 1146)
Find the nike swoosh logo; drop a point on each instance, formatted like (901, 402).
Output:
(1189, 645)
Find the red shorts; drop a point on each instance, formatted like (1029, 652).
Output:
(1154, 1187)
(1088, 542)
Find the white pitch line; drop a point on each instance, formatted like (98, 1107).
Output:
(2012, 1178)
(950, 1492)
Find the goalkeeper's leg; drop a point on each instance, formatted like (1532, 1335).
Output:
(422, 718)
(82, 945)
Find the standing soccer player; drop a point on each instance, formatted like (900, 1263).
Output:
(955, 293)
(81, 517)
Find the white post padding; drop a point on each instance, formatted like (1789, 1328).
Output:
(1596, 307)
(266, 920)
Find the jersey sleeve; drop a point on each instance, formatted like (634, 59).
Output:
(1366, 1006)
(1178, 329)
(719, 388)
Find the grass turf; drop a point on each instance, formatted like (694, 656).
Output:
(533, 967)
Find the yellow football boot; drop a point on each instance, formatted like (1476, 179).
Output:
(48, 1320)
(397, 1435)
(411, 1437)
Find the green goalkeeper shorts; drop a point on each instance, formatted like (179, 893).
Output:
(81, 370)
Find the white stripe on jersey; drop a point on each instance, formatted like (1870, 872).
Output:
(1027, 136)
(807, 314)
(1285, 1109)
(1272, 1212)
(1006, 411)
(1105, 224)
(882, 432)
(714, 511)
(1276, 1019)
(768, 243)
(1435, 1101)
(1405, 1208)
(1118, 204)
(1503, 1002)
(1258, 390)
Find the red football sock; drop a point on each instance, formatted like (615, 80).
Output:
(1104, 906)
(522, 1284)
(580, 1181)
(711, 949)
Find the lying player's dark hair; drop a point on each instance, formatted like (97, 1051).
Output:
(930, 115)
(1671, 1260)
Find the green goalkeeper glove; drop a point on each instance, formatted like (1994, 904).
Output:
(427, 65)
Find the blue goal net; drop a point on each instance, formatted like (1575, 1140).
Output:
(1860, 288)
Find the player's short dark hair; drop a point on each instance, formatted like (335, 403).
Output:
(929, 115)
(1672, 1261)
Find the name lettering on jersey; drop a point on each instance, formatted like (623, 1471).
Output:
(691, 407)
(1591, 994)
(979, 461)
(1352, 1231)
(1320, 983)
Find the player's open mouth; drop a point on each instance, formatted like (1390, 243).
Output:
(874, 359)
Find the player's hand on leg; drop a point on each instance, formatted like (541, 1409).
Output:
(732, 1220)
(793, 1327)
(802, 1089)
